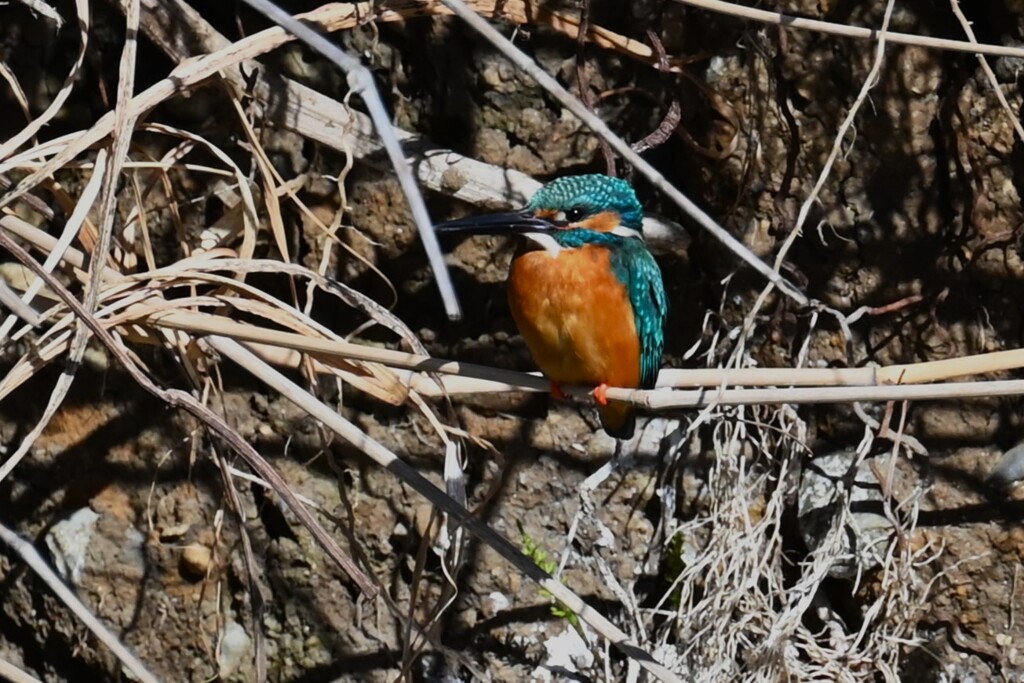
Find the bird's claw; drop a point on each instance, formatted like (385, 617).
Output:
(601, 394)
(556, 391)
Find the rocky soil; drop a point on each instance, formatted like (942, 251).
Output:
(920, 218)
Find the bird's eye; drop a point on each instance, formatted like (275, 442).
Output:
(575, 214)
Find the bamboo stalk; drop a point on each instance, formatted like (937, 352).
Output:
(806, 385)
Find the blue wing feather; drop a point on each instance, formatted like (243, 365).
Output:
(650, 306)
(637, 269)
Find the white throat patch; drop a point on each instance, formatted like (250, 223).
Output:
(552, 247)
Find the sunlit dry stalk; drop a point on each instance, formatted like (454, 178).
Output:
(438, 498)
(989, 74)
(31, 557)
(861, 32)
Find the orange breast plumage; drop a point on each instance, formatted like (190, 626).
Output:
(577, 320)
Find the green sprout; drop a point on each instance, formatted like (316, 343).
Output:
(541, 558)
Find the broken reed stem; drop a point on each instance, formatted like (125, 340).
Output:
(385, 458)
(31, 557)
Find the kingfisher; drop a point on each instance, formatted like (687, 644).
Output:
(584, 291)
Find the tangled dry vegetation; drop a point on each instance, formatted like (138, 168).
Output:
(234, 446)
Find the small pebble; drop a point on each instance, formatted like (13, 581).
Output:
(195, 561)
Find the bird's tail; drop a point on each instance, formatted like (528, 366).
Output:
(618, 419)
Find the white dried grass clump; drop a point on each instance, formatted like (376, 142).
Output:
(739, 609)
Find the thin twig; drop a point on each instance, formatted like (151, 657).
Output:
(663, 132)
(37, 564)
(361, 82)
(583, 80)
(812, 197)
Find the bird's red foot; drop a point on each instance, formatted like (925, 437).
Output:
(556, 391)
(601, 394)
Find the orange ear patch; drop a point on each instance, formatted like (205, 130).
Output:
(606, 221)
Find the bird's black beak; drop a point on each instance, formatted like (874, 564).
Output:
(517, 222)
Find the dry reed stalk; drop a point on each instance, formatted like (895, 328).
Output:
(860, 32)
(31, 557)
(810, 384)
(441, 500)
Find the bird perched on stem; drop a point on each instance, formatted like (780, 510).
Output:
(584, 291)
